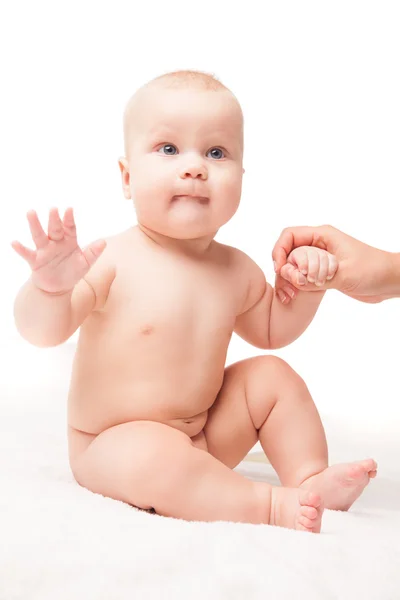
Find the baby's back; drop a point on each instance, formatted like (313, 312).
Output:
(156, 350)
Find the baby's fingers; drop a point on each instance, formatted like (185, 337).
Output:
(38, 234)
(299, 258)
(69, 222)
(323, 269)
(333, 266)
(313, 266)
(56, 229)
(293, 275)
(24, 252)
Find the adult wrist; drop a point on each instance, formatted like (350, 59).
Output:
(391, 282)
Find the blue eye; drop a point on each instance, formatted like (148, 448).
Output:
(213, 150)
(168, 147)
(171, 150)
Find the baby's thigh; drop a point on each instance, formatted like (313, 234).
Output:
(133, 462)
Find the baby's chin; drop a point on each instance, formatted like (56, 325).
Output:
(183, 229)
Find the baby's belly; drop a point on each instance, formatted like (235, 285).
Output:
(98, 403)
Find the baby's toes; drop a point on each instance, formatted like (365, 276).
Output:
(305, 524)
(309, 517)
(370, 464)
(309, 499)
(309, 512)
(371, 467)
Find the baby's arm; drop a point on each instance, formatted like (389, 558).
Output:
(65, 285)
(268, 323)
(47, 320)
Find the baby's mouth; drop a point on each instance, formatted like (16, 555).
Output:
(199, 199)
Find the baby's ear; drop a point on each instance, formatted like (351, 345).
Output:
(124, 168)
(123, 164)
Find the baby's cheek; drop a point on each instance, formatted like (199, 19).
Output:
(229, 182)
(150, 182)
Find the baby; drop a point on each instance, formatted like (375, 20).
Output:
(154, 417)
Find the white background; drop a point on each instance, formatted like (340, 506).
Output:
(319, 86)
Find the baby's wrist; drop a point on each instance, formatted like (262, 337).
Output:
(47, 293)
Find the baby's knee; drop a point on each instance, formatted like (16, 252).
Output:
(275, 370)
(273, 365)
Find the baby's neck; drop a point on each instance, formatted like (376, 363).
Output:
(195, 248)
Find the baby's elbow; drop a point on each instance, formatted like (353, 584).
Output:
(43, 341)
(275, 343)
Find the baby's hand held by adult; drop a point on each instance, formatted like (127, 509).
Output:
(309, 268)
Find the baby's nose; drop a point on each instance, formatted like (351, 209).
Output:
(195, 171)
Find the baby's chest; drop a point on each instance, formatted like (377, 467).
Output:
(176, 298)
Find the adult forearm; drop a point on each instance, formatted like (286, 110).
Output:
(289, 321)
(41, 318)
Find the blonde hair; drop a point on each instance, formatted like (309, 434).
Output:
(191, 79)
(197, 80)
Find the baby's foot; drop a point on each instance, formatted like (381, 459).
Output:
(296, 509)
(340, 485)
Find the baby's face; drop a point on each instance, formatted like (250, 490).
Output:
(184, 143)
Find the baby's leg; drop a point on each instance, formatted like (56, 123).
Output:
(263, 398)
(151, 465)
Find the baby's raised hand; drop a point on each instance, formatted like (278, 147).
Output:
(58, 263)
(307, 268)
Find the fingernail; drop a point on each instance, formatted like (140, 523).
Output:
(311, 279)
(301, 280)
(319, 283)
(275, 267)
(329, 277)
(304, 271)
(282, 296)
(290, 293)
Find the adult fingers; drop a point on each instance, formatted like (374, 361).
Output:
(293, 237)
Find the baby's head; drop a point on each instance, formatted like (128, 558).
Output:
(183, 163)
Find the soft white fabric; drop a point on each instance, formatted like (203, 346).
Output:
(59, 541)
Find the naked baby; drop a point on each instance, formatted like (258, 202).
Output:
(155, 418)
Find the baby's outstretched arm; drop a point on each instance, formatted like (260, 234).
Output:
(55, 300)
(268, 322)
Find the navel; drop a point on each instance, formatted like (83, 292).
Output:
(146, 329)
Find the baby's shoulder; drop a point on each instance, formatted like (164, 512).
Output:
(119, 246)
(237, 259)
(248, 275)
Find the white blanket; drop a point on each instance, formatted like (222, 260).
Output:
(59, 541)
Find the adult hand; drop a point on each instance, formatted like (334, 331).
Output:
(364, 273)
